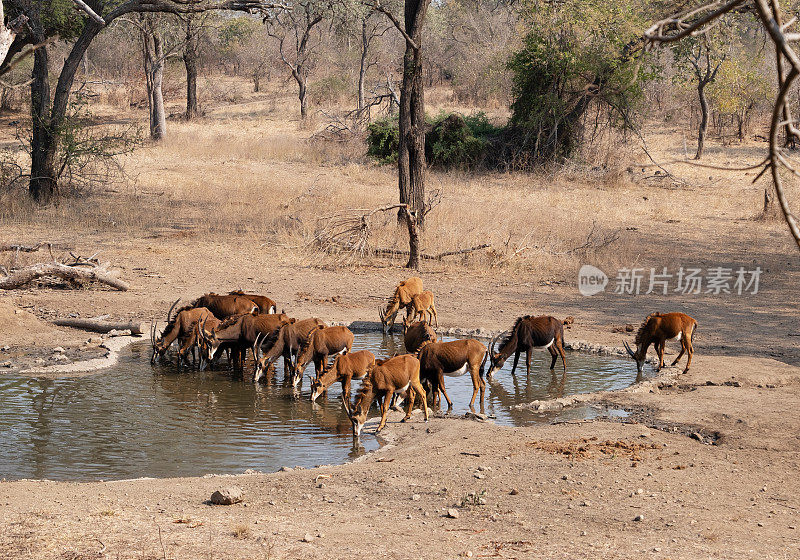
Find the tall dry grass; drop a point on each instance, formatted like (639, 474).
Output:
(248, 174)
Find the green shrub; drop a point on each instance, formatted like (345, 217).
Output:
(383, 141)
(451, 140)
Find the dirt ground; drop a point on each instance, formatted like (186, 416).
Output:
(639, 488)
(555, 491)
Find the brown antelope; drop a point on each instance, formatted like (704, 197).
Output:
(529, 333)
(225, 306)
(178, 328)
(241, 331)
(418, 334)
(345, 368)
(383, 379)
(402, 298)
(265, 305)
(321, 343)
(286, 344)
(656, 329)
(421, 304)
(453, 359)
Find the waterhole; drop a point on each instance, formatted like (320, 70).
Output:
(134, 420)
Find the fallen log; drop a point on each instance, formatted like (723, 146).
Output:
(21, 276)
(98, 325)
(24, 248)
(400, 253)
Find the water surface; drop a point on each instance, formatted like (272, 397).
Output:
(135, 420)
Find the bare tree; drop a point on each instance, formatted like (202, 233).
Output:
(49, 111)
(371, 29)
(295, 31)
(192, 26)
(702, 19)
(411, 163)
(153, 57)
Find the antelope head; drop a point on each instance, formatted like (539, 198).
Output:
(208, 342)
(638, 356)
(495, 358)
(388, 315)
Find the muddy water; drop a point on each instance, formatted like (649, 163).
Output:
(134, 420)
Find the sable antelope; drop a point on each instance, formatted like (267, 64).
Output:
(345, 368)
(656, 329)
(225, 306)
(529, 333)
(265, 305)
(418, 334)
(241, 331)
(319, 344)
(403, 294)
(182, 328)
(383, 379)
(420, 304)
(287, 343)
(157, 351)
(453, 359)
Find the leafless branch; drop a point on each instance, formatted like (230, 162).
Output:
(81, 5)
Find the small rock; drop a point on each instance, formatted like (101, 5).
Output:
(586, 503)
(640, 491)
(565, 477)
(227, 496)
(656, 549)
(639, 518)
(482, 468)
(479, 476)
(6, 364)
(468, 554)
(697, 436)
(514, 492)
(760, 524)
(285, 469)
(58, 349)
(271, 502)
(453, 513)
(416, 497)
(409, 516)
(5, 348)
(308, 537)
(583, 533)
(320, 535)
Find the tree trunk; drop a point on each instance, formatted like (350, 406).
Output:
(411, 155)
(256, 82)
(362, 70)
(190, 56)
(413, 239)
(43, 182)
(153, 56)
(302, 93)
(701, 134)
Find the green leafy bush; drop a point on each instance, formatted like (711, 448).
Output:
(451, 140)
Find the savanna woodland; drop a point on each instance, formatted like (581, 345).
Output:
(408, 195)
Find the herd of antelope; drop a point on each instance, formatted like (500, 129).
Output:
(234, 323)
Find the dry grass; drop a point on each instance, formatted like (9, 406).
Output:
(249, 172)
(242, 531)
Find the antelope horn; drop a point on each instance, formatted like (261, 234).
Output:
(171, 308)
(492, 343)
(256, 347)
(628, 348)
